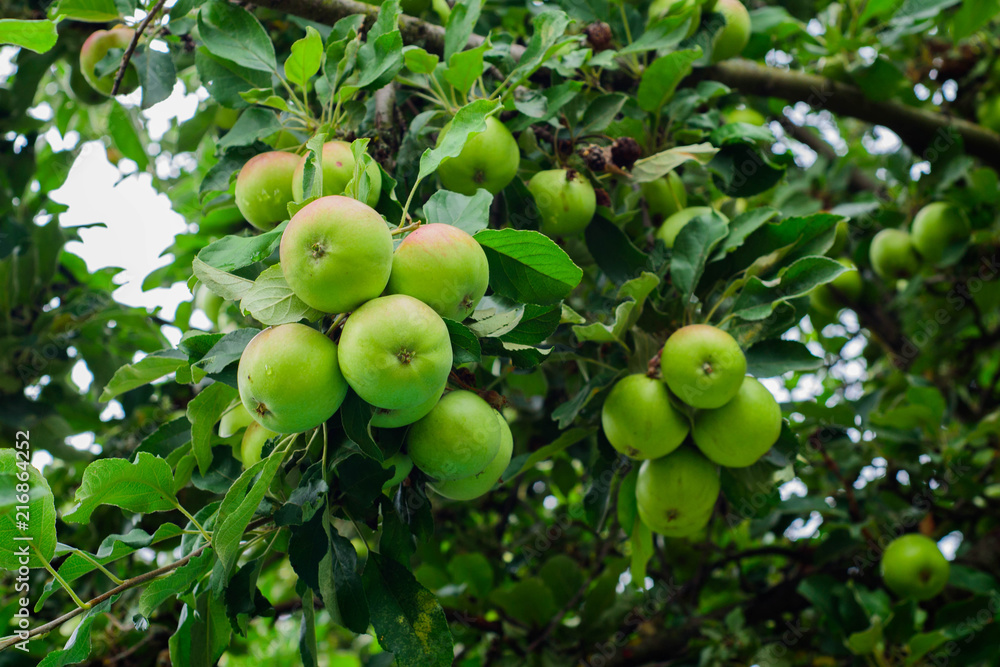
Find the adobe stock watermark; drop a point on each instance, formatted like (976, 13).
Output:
(21, 620)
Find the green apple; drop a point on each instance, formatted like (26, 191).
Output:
(936, 227)
(639, 421)
(457, 439)
(847, 287)
(565, 199)
(736, 34)
(741, 431)
(673, 225)
(703, 365)
(289, 378)
(442, 266)
(336, 254)
(225, 117)
(384, 418)
(744, 115)
(234, 419)
(209, 303)
(913, 567)
(401, 465)
(284, 139)
(95, 48)
(338, 170)
(475, 486)
(489, 160)
(254, 439)
(988, 111)
(264, 188)
(664, 196)
(893, 255)
(676, 494)
(840, 239)
(395, 352)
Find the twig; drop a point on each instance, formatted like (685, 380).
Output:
(127, 56)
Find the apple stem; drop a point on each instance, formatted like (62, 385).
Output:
(402, 229)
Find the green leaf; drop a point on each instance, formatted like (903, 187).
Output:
(692, 248)
(464, 344)
(465, 67)
(151, 367)
(923, 643)
(89, 11)
(633, 295)
(757, 299)
(203, 412)
(536, 324)
(225, 80)
(548, 29)
(227, 350)
(771, 358)
(239, 506)
(356, 417)
(253, 124)
(143, 487)
(742, 170)
(38, 36)
(613, 251)
(305, 59)
(418, 60)
(529, 601)
(308, 649)
(741, 227)
(21, 484)
(567, 412)
(226, 285)
(659, 80)
(461, 22)
(407, 617)
(642, 551)
(113, 547)
(470, 119)
(602, 110)
(78, 647)
(470, 214)
(234, 252)
(271, 301)
(866, 641)
(233, 33)
(663, 34)
(202, 633)
(157, 75)
(123, 132)
(659, 165)
(381, 56)
(176, 583)
(546, 452)
(341, 583)
(527, 266)
(495, 317)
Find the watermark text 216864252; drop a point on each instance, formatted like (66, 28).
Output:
(22, 538)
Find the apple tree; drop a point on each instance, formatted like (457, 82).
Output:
(606, 333)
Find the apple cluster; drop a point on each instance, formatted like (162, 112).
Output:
(394, 351)
(897, 254)
(704, 393)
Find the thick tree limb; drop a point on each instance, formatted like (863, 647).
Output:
(927, 133)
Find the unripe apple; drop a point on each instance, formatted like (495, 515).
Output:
(664, 196)
(673, 225)
(565, 199)
(401, 465)
(457, 439)
(94, 50)
(892, 254)
(384, 418)
(744, 115)
(936, 227)
(830, 298)
(489, 160)
(289, 378)
(659, 9)
(225, 117)
(988, 111)
(442, 266)
(336, 254)
(741, 431)
(639, 421)
(254, 439)
(395, 352)
(676, 494)
(913, 567)
(264, 188)
(338, 170)
(209, 303)
(475, 486)
(235, 418)
(704, 366)
(735, 36)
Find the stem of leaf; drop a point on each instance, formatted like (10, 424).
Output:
(96, 563)
(62, 582)
(194, 522)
